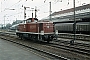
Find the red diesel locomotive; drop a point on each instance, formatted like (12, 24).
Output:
(37, 31)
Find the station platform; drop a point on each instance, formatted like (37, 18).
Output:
(11, 52)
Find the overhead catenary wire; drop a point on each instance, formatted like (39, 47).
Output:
(11, 6)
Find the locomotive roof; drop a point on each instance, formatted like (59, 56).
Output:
(37, 22)
(31, 18)
(42, 22)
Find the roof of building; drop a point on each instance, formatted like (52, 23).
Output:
(71, 10)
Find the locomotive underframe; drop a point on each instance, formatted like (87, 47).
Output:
(36, 36)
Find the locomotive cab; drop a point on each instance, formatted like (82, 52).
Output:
(46, 31)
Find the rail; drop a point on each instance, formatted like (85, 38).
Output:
(78, 36)
(63, 35)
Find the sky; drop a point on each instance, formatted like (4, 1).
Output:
(8, 15)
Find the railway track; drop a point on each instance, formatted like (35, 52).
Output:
(81, 37)
(76, 49)
(81, 48)
(36, 49)
(67, 41)
(65, 46)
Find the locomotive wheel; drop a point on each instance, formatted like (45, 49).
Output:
(21, 36)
